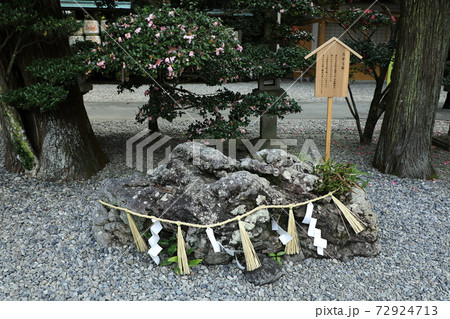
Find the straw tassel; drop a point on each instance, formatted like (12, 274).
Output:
(181, 252)
(357, 225)
(251, 258)
(138, 240)
(293, 246)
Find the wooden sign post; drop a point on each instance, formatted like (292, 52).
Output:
(332, 70)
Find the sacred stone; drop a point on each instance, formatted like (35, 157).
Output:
(201, 185)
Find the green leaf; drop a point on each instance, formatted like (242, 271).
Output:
(163, 242)
(169, 261)
(172, 249)
(173, 259)
(194, 262)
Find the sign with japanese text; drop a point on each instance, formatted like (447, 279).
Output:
(332, 68)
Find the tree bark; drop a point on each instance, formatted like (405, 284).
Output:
(405, 138)
(60, 143)
(377, 108)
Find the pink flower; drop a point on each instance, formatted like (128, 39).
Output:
(239, 48)
(150, 17)
(150, 23)
(243, 131)
(128, 35)
(170, 69)
(216, 23)
(170, 60)
(147, 92)
(218, 51)
(157, 35)
(171, 13)
(189, 38)
(119, 39)
(158, 62)
(191, 53)
(163, 28)
(137, 30)
(282, 11)
(124, 65)
(101, 64)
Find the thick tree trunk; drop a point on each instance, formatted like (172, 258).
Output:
(60, 144)
(405, 139)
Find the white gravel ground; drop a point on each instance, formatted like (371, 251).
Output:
(48, 252)
(302, 91)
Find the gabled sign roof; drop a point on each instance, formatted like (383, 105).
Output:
(333, 39)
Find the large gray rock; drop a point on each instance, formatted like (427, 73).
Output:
(201, 185)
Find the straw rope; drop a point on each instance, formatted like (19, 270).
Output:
(290, 206)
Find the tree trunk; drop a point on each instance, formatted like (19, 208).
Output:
(153, 124)
(447, 101)
(375, 111)
(60, 144)
(405, 139)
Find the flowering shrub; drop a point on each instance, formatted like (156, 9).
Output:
(281, 6)
(258, 60)
(214, 125)
(167, 43)
(211, 108)
(166, 46)
(365, 23)
(366, 20)
(374, 55)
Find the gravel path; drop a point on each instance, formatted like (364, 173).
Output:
(302, 91)
(48, 252)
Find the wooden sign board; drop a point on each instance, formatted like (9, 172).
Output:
(332, 71)
(332, 68)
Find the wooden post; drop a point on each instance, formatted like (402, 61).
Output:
(328, 136)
